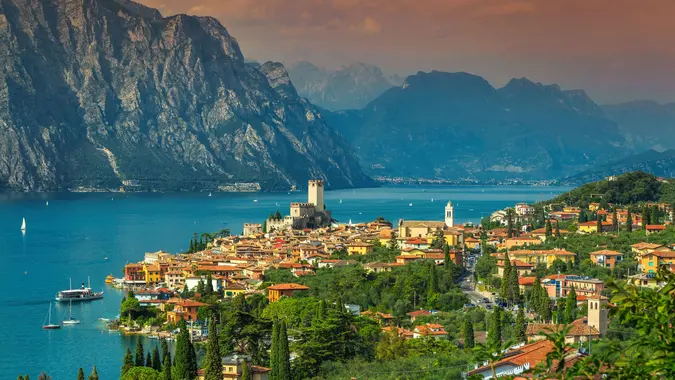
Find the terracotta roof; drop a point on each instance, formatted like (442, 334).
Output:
(606, 252)
(655, 227)
(525, 281)
(645, 245)
(517, 263)
(533, 354)
(289, 286)
(578, 328)
(418, 313)
(423, 223)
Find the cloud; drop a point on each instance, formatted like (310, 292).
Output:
(368, 26)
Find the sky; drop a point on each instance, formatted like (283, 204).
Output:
(617, 50)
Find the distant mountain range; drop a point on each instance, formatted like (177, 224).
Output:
(661, 164)
(456, 125)
(350, 87)
(93, 92)
(645, 123)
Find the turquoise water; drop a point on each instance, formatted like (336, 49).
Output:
(73, 236)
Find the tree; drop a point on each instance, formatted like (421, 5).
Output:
(284, 355)
(446, 257)
(128, 362)
(467, 333)
(549, 229)
(166, 370)
(393, 243)
(80, 373)
(208, 290)
(615, 221)
(140, 355)
(514, 286)
(521, 327)
(554, 366)
(277, 216)
(629, 220)
(645, 216)
(557, 230)
(439, 240)
(571, 306)
(183, 367)
(393, 345)
(274, 352)
(214, 363)
(142, 373)
(495, 328)
(166, 355)
(505, 291)
(510, 216)
(245, 371)
(598, 224)
(156, 361)
(94, 374)
(44, 376)
(148, 360)
(560, 313)
(492, 352)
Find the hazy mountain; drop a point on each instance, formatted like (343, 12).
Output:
(351, 87)
(451, 125)
(645, 123)
(660, 164)
(96, 91)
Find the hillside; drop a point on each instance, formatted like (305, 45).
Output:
(629, 188)
(645, 123)
(93, 92)
(661, 164)
(456, 125)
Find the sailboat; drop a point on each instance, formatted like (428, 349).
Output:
(340, 200)
(47, 203)
(48, 321)
(23, 224)
(70, 320)
(209, 194)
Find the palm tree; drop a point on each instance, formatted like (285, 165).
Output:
(491, 353)
(555, 359)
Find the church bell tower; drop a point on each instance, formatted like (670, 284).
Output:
(449, 215)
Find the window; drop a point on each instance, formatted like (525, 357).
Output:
(651, 264)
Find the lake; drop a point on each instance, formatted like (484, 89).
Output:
(80, 235)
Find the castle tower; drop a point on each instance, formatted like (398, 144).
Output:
(597, 313)
(449, 215)
(315, 194)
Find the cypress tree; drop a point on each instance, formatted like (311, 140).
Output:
(140, 355)
(214, 363)
(208, 290)
(94, 374)
(571, 306)
(549, 229)
(615, 221)
(432, 285)
(557, 230)
(509, 222)
(495, 328)
(393, 243)
(629, 220)
(245, 371)
(166, 355)
(514, 286)
(467, 333)
(598, 224)
(505, 289)
(560, 313)
(446, 257)
(127, 362)
(148, 360)
(521, 326)
(166, 370)
(645, 216)
(19, 378)
(274, 351)
(193, 360)
(80, 374)
(284, 355)
(182, 366)
(156, 361)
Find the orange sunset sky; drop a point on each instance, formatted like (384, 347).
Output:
(617, 50)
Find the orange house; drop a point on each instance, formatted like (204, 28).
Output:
(606, 258)
(275, 292)
(183, 310)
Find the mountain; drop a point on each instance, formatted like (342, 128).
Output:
(96, 91)
(653, 162)
(645, 123)
(456, 125)
(351, 87)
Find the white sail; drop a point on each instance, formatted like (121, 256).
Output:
(23, 224)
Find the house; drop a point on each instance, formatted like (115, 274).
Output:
(651, 261)
(645, 280)
(183, 310)
(559, 285)
(525, 283)
(416, 243)
(407, 334)
(592, 227)
(419, 228)
(193, 281)
(653, 228)
(522, 241)
(606, 258)
(516, 361)
(433, 330)
(418, 313)
(233, 369)
(383, 318)
(594, 206)
(134, 274)
(377, 267)
(523, 209)
(359, 248)
(580, 331)
(523, 268)
(536, 257)
(472, 243)
(174, 279)
(642, 248)
(152, 273)
(233, 290)
(275, 292)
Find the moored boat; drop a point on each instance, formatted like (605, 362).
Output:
(76, 295)
(109, 279)
(48, 325)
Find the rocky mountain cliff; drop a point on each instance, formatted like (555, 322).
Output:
(645, 123)
(456, 125)
(350, 87)
(96, 91)
(653, 162)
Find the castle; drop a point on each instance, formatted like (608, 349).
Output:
(312, 214)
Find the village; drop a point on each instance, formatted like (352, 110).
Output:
(507, 264)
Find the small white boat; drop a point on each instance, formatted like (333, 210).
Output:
(23, 224)
(410, 205)
(209, 194)
(71, 320)
(48, 325)
(47, 203)
(340, 200)
(432, 199)
(255, 201)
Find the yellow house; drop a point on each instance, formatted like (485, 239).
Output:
(419, 228)
(592, 227)
(644, 280)
(234, 290)
(152, 273)
(541, 257)
(594, 206)
(359, 248)
(644, 247)
(651, 261)
(472, 243)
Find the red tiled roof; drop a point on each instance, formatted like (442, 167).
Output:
(289, 286)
